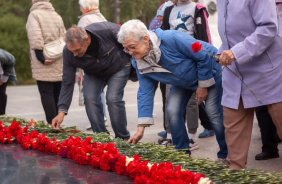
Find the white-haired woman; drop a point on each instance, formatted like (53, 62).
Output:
(167, 56)
(45, 25)
(90, 14)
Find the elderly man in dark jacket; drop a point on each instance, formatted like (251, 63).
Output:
(95, 50)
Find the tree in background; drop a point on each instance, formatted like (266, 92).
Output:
(13, 17)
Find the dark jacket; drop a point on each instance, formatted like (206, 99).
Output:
(7, 66)
(110, 59)
(201, 30)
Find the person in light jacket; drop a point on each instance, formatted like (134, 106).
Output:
(43, 26)
(252, 50)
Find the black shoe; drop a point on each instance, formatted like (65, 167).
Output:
(165, 142)
(266, 156)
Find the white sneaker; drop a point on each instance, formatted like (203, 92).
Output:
(193, 145)
(105, 120)
(88, 127)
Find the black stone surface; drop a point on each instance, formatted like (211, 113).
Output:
(19, 166)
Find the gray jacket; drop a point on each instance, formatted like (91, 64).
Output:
(7, 67)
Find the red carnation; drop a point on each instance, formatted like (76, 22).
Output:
(196, 47)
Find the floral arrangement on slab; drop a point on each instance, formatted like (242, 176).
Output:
(103, 156)
(143, 162)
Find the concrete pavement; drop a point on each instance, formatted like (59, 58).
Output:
(24, 102)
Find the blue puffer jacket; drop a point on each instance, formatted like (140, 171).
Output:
(186, 69)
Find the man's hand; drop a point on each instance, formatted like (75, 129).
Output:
(201, 94)
(1, 83)
(226, 57)
(48, 61)
(137, 136)
(58, 120)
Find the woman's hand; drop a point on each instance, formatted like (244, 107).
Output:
(48, 61)
(201, 94)
(226, 58)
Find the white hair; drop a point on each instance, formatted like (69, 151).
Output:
(132, 28)
(89, 4)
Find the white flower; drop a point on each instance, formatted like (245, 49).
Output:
(204, 181)
(128, 160)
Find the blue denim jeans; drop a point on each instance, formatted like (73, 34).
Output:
(177, 103)
(93, 87)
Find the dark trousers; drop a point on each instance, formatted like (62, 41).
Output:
(205, 122)
(3, 98)
(268, 131)
(163, 90)
(49, 92)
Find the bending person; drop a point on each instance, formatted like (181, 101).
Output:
(167, 56)
(95, 50)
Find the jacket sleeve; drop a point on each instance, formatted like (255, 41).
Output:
(265, 17)
(7, 61)
(204, 61)
(34, 33)
(68, 82)
(202, 31)
(165, 24)
(145, 98)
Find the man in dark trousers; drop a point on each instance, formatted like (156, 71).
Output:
(95, 50)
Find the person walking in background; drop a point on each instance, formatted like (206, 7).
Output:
(95, 49)
(43, 26)
(190, 18)
(253, 53)
(167, 56)
(269, 135)
(7, 72)
(268, 130)
(90, 14)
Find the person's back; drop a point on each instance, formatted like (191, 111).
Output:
(44, 25)
(90, 13)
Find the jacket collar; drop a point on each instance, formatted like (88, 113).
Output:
(42, 6)
(90, 13)
(141, 64)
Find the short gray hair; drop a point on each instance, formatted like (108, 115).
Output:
(132, 28)
(76, 33)
(40, 0)
(89, 4)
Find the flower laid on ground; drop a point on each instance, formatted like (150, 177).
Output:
(103, 156)
(31, 123)
(68, 141)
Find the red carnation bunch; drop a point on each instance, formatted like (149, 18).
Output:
(103, 156)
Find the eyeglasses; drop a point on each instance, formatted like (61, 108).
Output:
(128, 49)
(131, 48)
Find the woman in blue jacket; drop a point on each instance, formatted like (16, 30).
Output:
(167, 56)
